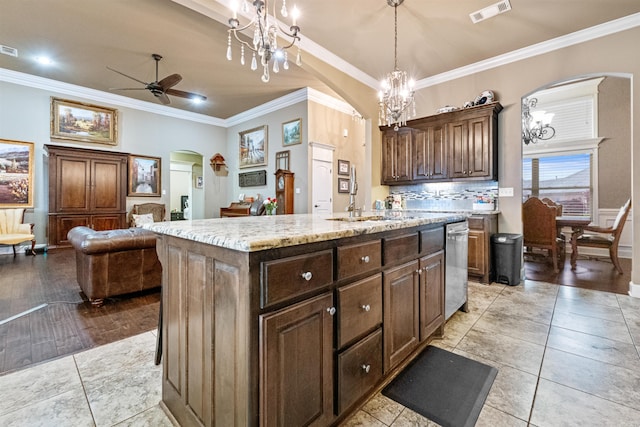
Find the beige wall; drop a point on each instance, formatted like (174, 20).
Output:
(614, 154)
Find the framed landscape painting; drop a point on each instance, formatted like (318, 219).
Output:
(292, 132)
(76, 121)
(16, 174)
(144, 176)
(253, 147)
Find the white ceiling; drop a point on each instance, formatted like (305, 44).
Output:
(434, 37)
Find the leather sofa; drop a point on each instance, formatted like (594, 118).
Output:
(115, 262)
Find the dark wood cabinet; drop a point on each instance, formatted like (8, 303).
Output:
(396, 156)
(430, 153)
(431, 294)
(454, 146)
(298, 366)
(86, 187)
(481, 227)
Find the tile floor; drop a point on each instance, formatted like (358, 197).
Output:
(566, 356)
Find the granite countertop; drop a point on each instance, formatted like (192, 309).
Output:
(256, 233)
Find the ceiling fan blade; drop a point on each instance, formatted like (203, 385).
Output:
(132, 78)
(164, 99)
(127, 88)
(183, 94)
(170, 81)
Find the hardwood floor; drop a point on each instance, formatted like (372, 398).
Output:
(593, 274)
(64, 321)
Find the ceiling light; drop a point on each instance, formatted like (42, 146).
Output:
(266, 30)
(43, 60)
(536, 125)
(395, 99)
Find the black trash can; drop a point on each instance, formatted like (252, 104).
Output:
(506, 258)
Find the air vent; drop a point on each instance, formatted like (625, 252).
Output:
(490, 11)
(11, 51)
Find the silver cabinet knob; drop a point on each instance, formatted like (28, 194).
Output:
(331, 310)
(365, 259)
(366, 368)
(366, 307)
(307, 276)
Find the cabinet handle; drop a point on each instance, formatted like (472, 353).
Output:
(366, 368)
(331, 311)
(366, 307)
(307, 276)
(365, 259)
(419, 271)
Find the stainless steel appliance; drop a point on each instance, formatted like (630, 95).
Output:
(456, 268)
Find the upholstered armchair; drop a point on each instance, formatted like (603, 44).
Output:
(540, 230)
(157, 211)
(13, 231)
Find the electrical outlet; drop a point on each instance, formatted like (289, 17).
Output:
(505, 192)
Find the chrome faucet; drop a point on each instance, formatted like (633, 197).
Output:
(353, 190)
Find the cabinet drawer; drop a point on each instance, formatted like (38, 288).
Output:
(287, 278)
(359, 308)
(358, 259)
(396, 249)
(476, 223)
(359, 369)
(431, 240)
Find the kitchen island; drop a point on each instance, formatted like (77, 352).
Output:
(294, 319)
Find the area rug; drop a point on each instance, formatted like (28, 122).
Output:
(444, 387)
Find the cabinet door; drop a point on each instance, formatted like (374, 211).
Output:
(107, 222)
(396, 156)
(107, 185)
(479, 148)
(401, 313)
(429, 147)
(72, 185)
(459, 136)
(297, 364)
(59, 226)
(431, 294)
(476, 263)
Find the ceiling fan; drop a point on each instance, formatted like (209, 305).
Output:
(161, 88)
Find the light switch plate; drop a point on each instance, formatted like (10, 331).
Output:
(505, 192)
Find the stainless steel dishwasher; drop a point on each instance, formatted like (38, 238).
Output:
(456, 268)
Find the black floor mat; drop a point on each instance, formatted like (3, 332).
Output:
(444, 387)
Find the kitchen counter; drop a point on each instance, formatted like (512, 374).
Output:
(256, 233)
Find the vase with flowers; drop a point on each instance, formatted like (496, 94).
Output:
(270, 205)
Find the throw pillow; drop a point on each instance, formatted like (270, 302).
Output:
(139, 220)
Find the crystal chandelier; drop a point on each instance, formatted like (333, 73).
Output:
(536, 125)
(266, 30)
(396, 95)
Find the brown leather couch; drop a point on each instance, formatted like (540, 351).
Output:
(115, 262)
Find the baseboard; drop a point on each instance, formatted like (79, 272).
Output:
(39, 249)
(634, 290)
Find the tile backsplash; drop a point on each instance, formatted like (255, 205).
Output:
(447, 195)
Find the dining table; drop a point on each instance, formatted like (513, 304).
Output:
(577, 224)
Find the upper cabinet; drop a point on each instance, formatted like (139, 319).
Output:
(454, 146)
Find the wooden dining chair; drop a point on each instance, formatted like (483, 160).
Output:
(540, 230)
(550, 202)
(606, 237)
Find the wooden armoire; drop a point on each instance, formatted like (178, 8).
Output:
(86, 187)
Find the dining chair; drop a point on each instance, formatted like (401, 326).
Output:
(550, 202)
(606, 237)
(540, 230)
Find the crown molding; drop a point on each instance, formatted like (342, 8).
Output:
(598, 31)
(29, 80)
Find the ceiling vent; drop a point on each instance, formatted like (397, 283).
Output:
(11, 51)
(490, 11)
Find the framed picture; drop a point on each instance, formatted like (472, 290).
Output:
(282, 160)
(77, 121)
(199, 182)
(16, 174)
(253, 147)
(144, 176)
(343, 167)
(343, 185)
(292, 132)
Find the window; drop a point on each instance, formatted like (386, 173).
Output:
(565, 178)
